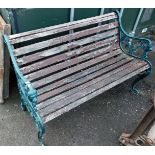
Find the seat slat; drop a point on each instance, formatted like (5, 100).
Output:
(80, 74)
(91, 86)
(76, 103)
(80, 81)
(65, 56)
(74, 61)
(65, 38)
(16, 38)
(74, 69)
(77, 89)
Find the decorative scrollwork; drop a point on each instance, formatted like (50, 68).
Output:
(133, 46)
(28, 94)
(137, 48)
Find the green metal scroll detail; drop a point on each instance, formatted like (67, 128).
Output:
(27, 93)
(132, 46)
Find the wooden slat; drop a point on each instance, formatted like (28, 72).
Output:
(65, 109)
(83, 86)
(81, 80)
(1, 60)
(70, 36)
(74, 61)
(4, 61)
(60, 28)
(62, 39)
(7, 31)
(79, 75)
(72, 70)
(65, 56)
(92, 86)
(62, 48)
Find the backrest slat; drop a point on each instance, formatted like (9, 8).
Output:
(74, 61)
(65, 38)
(62, 48)
(59, 28)
(64, 56)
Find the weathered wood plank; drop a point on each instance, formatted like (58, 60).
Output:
(80, 74)
(1, 63)
(65, 109)
(62, 48)
(7, 31)
(92, 86)
(97, 29)
(69, 63)
(81, 81)
(64, 56)
(4, 62)
(72, 70)
(62, 39)
(1, 85)
(79, 89)
(70, 25)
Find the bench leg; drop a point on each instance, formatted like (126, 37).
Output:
(23, 106)
(41, 130)
(28, 103)
(134, 89)
(22, 102)
(40, 137)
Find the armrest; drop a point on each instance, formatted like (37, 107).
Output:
(131, 45)
(23, 82)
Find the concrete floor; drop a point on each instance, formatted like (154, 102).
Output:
(98, 122)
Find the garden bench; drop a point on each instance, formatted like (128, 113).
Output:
(60, 67)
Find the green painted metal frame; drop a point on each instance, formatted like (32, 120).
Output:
(131, 49)
(29, 94)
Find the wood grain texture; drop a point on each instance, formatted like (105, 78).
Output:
(90, 86)
(2, 24)
(60, 28)
(81, 81)
(72, 70)
(1, 85)
(60, 49)
(65, 38)
(62, 56)
(7, 31)
(69, 63)
(4, 62)
(79, 75)
(65, 109)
